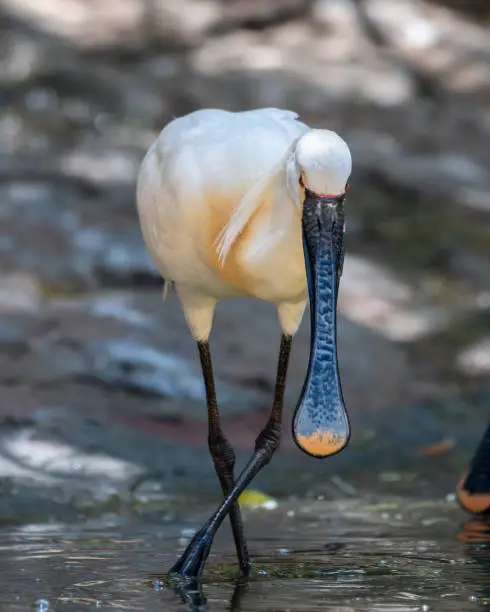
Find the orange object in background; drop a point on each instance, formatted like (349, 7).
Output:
(473, 489)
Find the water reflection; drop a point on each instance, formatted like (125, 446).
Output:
(191, 593)
(475, 535)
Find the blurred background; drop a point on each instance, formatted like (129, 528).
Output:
(101, 402)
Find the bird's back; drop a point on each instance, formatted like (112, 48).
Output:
(196, 172)
(224, 148)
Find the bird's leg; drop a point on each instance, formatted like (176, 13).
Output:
(192, 561)
(223, 458)
(241, 587)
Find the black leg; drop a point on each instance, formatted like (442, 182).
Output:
(236, 599)
(223, 458)
(191, 594)
(192, 561)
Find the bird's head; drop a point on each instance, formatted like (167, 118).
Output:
(319, 167)
(318, 172)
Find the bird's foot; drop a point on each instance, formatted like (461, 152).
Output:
(190, 592)
(191, 564)
(244, 569)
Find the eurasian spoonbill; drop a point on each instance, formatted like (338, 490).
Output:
(252, 204)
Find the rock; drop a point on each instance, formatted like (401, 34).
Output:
(138, 345)
(407, 24)
(372, 296)
(28, 455)
(337, 14)
(19, 292)
(129, 364)
(132, 23)
(68, 238)
(475, 360)
(96, 372)
(471, 268)
(82, 24)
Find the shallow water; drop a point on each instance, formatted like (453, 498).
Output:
(382, 555)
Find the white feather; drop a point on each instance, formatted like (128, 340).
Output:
(250, 203)
(227, 149)
(240, 160)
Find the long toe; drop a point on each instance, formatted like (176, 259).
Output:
(191, 564)
(245, 569)
(188, 556)
(190, 592)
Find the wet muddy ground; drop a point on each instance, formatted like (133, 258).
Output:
(378, 555)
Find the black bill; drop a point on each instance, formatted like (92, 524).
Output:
(321, 425)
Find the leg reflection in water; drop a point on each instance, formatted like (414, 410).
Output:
(475, 535)
(192, 595)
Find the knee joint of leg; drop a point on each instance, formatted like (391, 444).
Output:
(221, 450)
(268, 441)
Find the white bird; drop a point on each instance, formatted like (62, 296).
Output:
(252, 204)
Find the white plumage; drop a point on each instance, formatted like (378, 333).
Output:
(219, 201)
(243, 204)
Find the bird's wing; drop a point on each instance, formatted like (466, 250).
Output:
(268, 135)
(228, 153)
(279, 115)
(213, 148)
(187, 128)
(219, 128)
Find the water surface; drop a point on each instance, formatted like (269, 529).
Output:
(356, 555)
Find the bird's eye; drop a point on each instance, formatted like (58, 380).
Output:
(301, 181)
